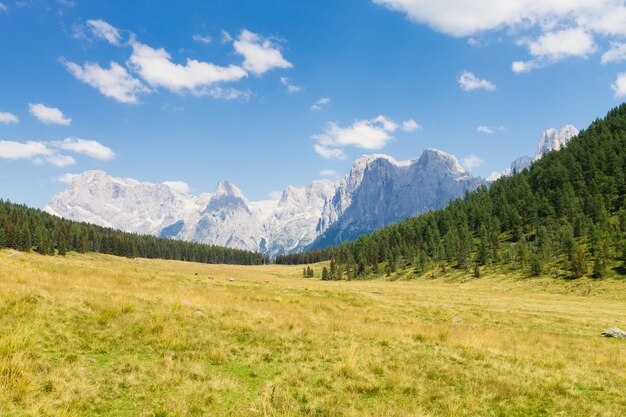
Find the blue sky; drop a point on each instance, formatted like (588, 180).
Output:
(200, 91)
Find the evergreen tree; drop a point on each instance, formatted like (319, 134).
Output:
(578, 263)
(325, 276)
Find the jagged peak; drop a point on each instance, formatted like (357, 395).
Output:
(431, 155)
(227, 189)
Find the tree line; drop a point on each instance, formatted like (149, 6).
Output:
(565, 216)
(27, 229)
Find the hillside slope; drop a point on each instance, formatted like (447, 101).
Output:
(564, 216)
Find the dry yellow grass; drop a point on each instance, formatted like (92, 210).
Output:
(98, 335)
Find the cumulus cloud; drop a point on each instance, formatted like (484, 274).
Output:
(619, 86)
(466, 18)
(48, 115)
(469, 82)
(555, 46)
(328, 173)
(178, 186)
(149, 68)
(40, 152)
(520, 67)
(105, 31)
(617, 53)
(472, 161)
(367, 134)
(291, 88)
(411, 125)
(490, 130)
(329, 153)
(8, 118)
(87, 147)
(205, 39)
(552, 30)
(114, 82)
(66, 178)
(260, 54)
(157, 69)
(319, 104)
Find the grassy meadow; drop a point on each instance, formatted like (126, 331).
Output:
(96, 335)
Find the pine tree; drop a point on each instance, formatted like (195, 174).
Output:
(535, 265)
(325, 274)
(2, 238)
(578, 263)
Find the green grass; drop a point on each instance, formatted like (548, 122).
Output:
(99, 335)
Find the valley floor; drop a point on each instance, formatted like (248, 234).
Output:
(99, 335)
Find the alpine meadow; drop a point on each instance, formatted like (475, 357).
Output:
(200, 213)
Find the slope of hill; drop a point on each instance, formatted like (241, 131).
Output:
(564, 216)
(29, 229)
(94, 334)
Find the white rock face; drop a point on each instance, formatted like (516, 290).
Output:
(378, 191)
(225, 217)
(124, 204)
(551, 140)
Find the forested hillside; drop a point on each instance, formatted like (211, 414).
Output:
(27, 229)
(564, 216)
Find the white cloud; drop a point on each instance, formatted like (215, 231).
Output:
(319, 104)
(617, 53)
(490, 130)
(328, 173)
(157, 69)
(561, 44)
(178, 186)
(411, 125)
(205, 39)
(520, 67)
(40, 152)
(469, 82)
(367, 134)
(49, 115)
(226, 37)
(105, 31)
(87, 147)
(329, 153)
(567, 28)
(471, 162)
(17, 150)
(554, 47)
(59, 160)
(466, 18)
(114, 82)
(8, 118)
(620, 85)
(4, 8)
(259, 54)
(66, 178)
(290, 87)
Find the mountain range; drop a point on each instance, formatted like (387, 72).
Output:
(377, 191)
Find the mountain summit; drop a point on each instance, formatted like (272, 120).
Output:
(378, 191)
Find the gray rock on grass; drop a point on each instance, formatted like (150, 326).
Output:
(615, 332)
